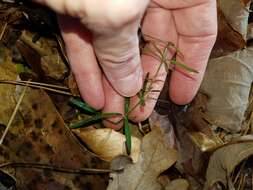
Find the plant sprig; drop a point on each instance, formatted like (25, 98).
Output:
(157, 49)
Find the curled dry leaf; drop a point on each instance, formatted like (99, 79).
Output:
(203, 142)
(237, 14)
(177, 184)
(155, 158)
(107, 143)
(223, 162)
(227, 82)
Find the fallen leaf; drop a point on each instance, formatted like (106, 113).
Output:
(108, 143)
(46, 60)
(224, 160)
(227, 83)
(237, 14)
(163, 121)
(155, 158)
(178, 184)
(228, 39)
(203, 142)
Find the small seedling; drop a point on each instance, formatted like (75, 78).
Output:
(157, 49)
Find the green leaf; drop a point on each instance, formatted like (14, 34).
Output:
(23, 69)
(83, 106)
(184, 66)
(127, 131)
(93, 120)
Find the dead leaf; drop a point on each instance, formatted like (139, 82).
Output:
(178, 184)
(46, 60)
(8, 71)
(203, 142)
(39, 135)
(224, 160)
(163, 121)
(155, 158)
(227, 83)
(237, 14)
(228, 39)
(107, 143)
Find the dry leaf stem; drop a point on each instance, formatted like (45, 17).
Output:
(60, 169)
(13, 115)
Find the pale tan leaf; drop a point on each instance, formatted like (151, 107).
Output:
(155, 158)
(108, 143)
(178, 184)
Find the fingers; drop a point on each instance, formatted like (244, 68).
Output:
(76, 9)
(83, 61)
(113, 103)
(165, 31)
(118, 54)
(179, 4)
(197, 30)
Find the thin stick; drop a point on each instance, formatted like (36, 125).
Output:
(60, 169)
(40, 87)
(36, 83)
(13, 115)
(3, 31)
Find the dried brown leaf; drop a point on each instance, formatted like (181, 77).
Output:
(224, 160)
(227, 83)
(155, 158)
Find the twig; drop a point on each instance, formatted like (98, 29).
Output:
(3, 31)
(13, 115)
(60, 169)
(35, 83)
(40, 86)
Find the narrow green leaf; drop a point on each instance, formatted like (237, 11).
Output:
(127, 135)
(184, 66)
(93, 120)
(83, 106)
(127, 131)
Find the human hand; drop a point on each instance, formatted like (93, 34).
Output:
(105, 31)
(190, 25)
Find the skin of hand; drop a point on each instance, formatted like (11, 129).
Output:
(107, 31)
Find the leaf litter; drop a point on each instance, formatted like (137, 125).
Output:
(205, 145)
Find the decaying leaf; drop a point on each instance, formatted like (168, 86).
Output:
(237, 14)
(228, 39)
(223, 162)
(7, 72)
(203, 142)
(227, 83)
(178, 184)
(155, 158)
(38, 135)
(107, 143)
(163, 121)
(46, 60)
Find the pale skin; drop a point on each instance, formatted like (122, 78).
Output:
(98, 32)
